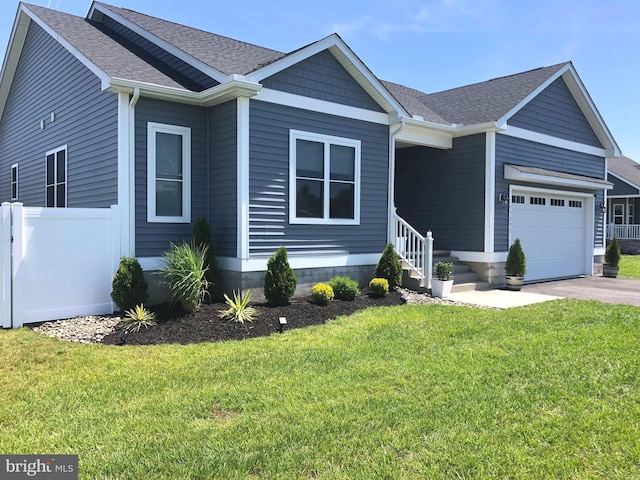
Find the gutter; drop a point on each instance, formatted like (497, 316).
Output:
(132, 171)
(236, 86)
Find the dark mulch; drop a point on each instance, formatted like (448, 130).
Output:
(176, 326)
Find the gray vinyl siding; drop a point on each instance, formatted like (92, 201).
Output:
(152, 239)
(515, 151)
(269, 184)
(443, 191)
(180, 71)
(555, 112)
(620, 187)
(321, 76)
(223, 178)
(49, 79)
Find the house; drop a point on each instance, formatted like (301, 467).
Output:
(306, 149)
(623, 203)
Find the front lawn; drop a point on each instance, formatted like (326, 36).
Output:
(545, 391)
(629, 266)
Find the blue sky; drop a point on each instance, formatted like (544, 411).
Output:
(434, 45)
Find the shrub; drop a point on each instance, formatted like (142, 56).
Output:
(202, 236)
(444, 271)
(612, 253)
(129, 288)
(321, 293)
(280, 280)
(344, 288)
(516, 265)
(239, 309)
(378, 287)
(185, 274)
(389, 267)
(138, 317)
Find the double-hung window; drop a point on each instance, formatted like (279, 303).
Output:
(324, 175)
(14, 181)
(56, 177)
(168, 173)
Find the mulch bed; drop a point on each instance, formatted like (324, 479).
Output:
(176, 326)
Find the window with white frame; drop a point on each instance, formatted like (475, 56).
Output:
(324, 173)
(168, 173)
(56, 177)
(14, 181)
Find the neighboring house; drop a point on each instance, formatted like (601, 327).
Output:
(307, 149)
(623, 202)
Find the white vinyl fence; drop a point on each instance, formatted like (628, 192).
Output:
(56, 262)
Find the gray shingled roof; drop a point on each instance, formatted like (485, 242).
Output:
(410, 99)
(108, 55)
(224, 54)
(625, 168)
(477, 103)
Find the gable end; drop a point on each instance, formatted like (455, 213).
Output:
(321, 76)
(555, 112)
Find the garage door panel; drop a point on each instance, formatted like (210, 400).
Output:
(553, 234)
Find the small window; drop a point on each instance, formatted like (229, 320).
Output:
(575, 203)
(56, 178)
(517, 199)
(14, 181)
(169, 173)
(324, 177)
(537, 201)
(630, 214)
(557, 202)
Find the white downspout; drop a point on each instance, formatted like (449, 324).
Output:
(132, 171)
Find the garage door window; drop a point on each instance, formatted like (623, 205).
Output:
(537, 201)
(557, 202)
(575, 203)
(517, 199)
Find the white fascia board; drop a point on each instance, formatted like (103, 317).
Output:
(479, 257)
(260, 264)
(524, 134)
(511, 173)
(232, 88)
(590, 111)
(321, 106)
(172, 49)
(102, 75)
(466, 130)
(623, 196)
(356, 68)
(12, 55)
(424, 135)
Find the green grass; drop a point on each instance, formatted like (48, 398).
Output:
(546, 391)
(629, 266)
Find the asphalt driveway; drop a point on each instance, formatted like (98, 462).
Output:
(609, 290)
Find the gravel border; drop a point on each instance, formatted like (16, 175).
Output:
(94, 328)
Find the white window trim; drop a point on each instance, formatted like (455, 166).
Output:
(55, 174)
(327, 140)
(185, 132)
(14, 167)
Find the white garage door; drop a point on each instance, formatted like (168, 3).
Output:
(553, 231)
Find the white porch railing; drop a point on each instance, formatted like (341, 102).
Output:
(415, 249)
(623, 232)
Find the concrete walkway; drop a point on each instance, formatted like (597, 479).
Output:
(608, 290)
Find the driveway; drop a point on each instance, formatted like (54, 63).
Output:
(609, 290)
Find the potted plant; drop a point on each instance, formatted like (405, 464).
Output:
(611, 259)
(441, 285)
(515, 267)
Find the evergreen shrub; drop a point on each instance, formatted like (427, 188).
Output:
(322, 294)
(389, 267)
(129, 287)
(280, 280)
(344, 288)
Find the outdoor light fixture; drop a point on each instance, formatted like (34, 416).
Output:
(282, 321)
(603, 207)
(503, 198)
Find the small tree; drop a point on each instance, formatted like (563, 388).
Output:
(516, 265)
(389, 267)
(612, 253)
(202, 237)
(129, 288)
(280, 280)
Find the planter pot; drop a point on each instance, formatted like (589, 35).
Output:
(609, 271)
(514, 283)
(441, 288)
